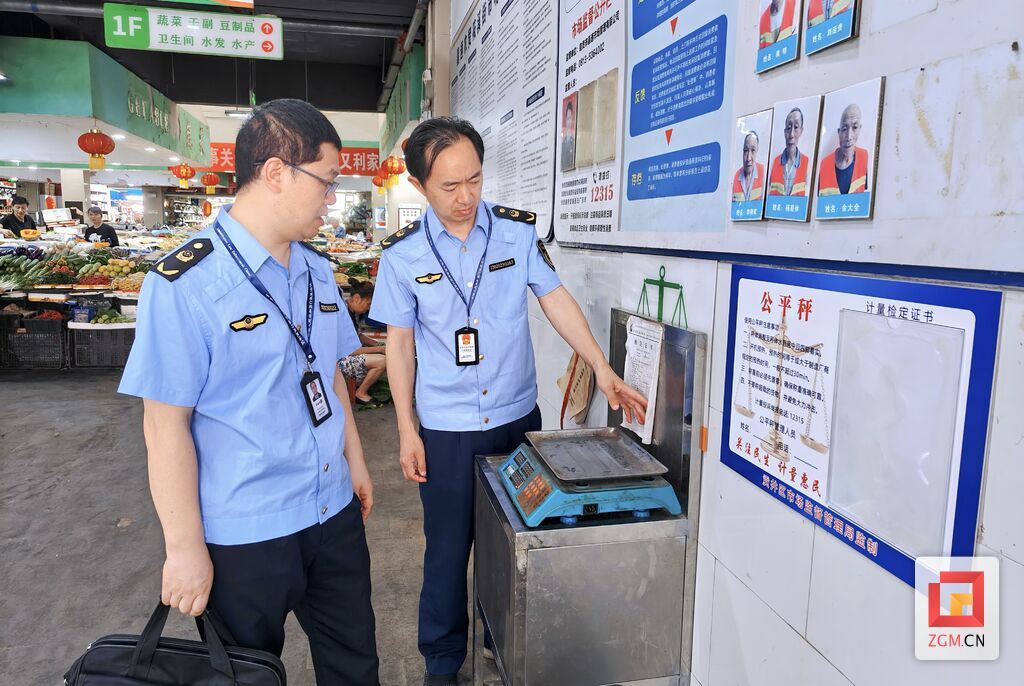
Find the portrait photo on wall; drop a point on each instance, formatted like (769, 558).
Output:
(569, 118)
(829, 22)
(606, 114)
(794, 157)
(778, 33)
(751, 147)
(585, 125)
(848, 145)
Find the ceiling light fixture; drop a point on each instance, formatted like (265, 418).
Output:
(117, 164)
(237, 113)
(118, 136)
(150, 149)
(3, 76)
(174, 159)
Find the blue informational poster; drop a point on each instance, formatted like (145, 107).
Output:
(829, 22)
(680, 56)
(863, 404)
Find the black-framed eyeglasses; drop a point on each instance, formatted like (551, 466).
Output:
(331, 186)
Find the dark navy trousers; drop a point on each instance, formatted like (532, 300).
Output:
(448, 527)
(322, 573)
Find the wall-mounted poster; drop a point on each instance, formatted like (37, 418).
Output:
(829, 22)
(751, 147)
(794, 157)
(592, 51)
(862, 404)
(778, 40)
(504, 74)
(849, 151)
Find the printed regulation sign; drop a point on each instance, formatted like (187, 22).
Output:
(201, 33)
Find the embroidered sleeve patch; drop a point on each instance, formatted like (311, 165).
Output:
(544, 254)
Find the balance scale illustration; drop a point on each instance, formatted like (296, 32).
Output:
(780, 344)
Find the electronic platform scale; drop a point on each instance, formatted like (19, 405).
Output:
(585, 473)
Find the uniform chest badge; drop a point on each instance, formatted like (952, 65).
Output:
(328, 307)
(504, 264)
(428, 278)
(249, 322)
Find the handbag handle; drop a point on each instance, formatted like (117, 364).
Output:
(142, 658)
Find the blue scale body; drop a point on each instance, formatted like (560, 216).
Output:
(538, 495)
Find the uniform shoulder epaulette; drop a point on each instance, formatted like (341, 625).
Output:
(524, 216)
(184, 258)
(403, 232)
(318, 251)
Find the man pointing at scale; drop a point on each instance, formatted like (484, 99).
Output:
(452, 289)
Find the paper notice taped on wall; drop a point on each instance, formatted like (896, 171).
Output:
(643, 363)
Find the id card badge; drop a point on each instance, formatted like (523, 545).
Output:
(316, 398)
(467, 347)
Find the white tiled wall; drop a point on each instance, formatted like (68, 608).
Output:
(779, 601)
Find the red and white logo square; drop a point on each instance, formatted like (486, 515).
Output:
(956, 608)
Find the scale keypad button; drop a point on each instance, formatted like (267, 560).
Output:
(535, 493)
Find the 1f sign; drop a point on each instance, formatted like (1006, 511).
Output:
(134, 25)
(126, 26)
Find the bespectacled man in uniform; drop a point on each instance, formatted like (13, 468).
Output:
(454, 284)
(255, 464)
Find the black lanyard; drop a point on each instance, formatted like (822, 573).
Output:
(447, 272)
(303, 341)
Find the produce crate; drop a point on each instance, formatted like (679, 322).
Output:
(31, 350)
(100, 346)
(33, 325)
(9, 321)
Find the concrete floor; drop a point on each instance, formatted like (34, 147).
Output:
(82, 548)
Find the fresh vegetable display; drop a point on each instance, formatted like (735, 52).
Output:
(131, 283)
(111, 317)
(50, 314)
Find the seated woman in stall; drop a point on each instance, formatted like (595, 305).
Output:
(366, 364)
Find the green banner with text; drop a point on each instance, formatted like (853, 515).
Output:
(134, 27)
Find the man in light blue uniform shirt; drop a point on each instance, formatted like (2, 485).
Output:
(254, 457)
(452, 288)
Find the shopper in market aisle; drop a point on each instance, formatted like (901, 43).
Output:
(98, 231)
(19, 219)
(471, 358)
(255, 464)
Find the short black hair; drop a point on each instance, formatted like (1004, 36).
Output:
(364, 289)
(19, 200)
(291, 130)
(430, 138)
(94, 210)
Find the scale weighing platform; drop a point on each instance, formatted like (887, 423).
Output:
(582, 473)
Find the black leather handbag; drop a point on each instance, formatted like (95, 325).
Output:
(148, 660)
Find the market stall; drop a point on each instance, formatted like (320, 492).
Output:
(68, 303)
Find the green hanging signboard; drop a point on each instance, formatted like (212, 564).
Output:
(244, 4)
(198, 33)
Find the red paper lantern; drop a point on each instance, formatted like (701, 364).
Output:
(184, 173)
(98, 145)
(210, 180)
(378, 181)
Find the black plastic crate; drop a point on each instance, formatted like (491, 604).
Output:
(33, 325)
(9, 321)
(101, 347)
(33, 350)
